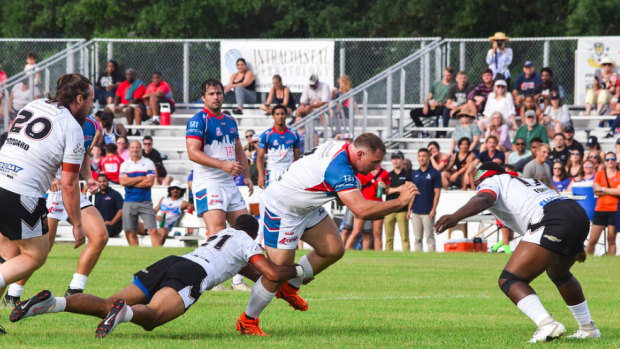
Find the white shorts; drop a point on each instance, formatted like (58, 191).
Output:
(273, 175)
(283, 231)
(218, 197)
(56, 209)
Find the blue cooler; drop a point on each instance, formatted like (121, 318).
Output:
(586, 197)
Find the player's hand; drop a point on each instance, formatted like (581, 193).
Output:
(261, 181)
(445, 222)
(407, 192)
(250, 185)
(55, 185)
(92, 185)
(79, 235)
(231, 167)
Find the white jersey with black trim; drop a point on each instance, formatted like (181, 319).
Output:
(313, 180)
(223, 255)
(518, 201)
(40, 139)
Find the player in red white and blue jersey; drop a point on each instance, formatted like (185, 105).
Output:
(292, 209)
(212, 140)
(281, 147)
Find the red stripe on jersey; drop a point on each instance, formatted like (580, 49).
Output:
(488, 191)
(67, 167)
(321, 187)
(257, 257)
(202, 141)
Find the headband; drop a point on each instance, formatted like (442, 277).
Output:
(482, 174)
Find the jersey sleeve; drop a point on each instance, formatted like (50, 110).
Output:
(74, 148)
(490, 186)
(437, 180)
(123, 169)
(196, 127)
(252, 249)
(150, 167)
(262, 142)
(296, 143)
(340, 176)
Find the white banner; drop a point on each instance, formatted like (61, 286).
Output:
(590, 51)
(293, 60)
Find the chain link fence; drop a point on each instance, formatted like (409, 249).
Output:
(13, 51)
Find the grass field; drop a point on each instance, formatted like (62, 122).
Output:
(368, 299)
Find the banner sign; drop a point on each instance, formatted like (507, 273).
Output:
(293, 60)
(590, 52)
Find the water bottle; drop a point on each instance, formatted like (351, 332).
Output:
(163, 220)
(379, 190)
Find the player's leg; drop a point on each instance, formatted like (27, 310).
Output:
(235, 208)
(166, 305)
(8, 250)
(215, 220)
(33, 253)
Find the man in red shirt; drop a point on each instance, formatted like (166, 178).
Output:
(370, 184)
(129, 97)
(156, 92)
(110, 164)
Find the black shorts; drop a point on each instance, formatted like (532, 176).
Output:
(23, 217)
(562, 229)
(604, 218)
(173, 271)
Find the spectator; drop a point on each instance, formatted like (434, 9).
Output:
(435, 100)
(170, 209)
(407, 165)
(22, 94)
(605, 186)
(3, 78)
(538, 168)
(525, 83)
(531, 129)
(279, 94)
(520, 151)
(161, 174)
(603, 88)
(108, 82)
(129, 98)
(137, 175)
(249, 146)
(499, 101)
(499, 129)
(465, 128)
(157, 92)
(109, 202)
(455, 174)
(110, 164)
(596, 159)
(556, 116)
(423, 208)
(370, 184)
(344, 85)
(593, 146)
(438, 159)
(560, 152)
(110, 130)
(491, 153)
(32, 67)
(241, 87)
(574, 165)
(544, 91)
(121, 143)
(398, 177)
(314, 96)
(534, 145)
(95, 157)
(477, 98)
(499, 57)
(586, 174)
(560, 179)
(571, 142)
(457, 98)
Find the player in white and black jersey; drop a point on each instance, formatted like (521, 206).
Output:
(45, 136)
(171, 285)
(553, 228)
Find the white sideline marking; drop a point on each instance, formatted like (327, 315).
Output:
(382, 298)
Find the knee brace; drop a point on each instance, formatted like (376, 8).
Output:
(559, 280)
(509, 280)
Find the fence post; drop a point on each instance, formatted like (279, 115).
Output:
(427, 75)
(422, 44)
(70, 61)
(546, 53)
(448, 52)
(364, 110)
(401, 124)
(96, 59)
(6, 109)
(388, 89)
(186, 72)
(31, 85)
(343, 55)
(462, 56)
(110, 50)
(437, 64)
(93, 58)
(47, 80)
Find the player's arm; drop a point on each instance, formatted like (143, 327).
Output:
(480, 202)
(69, 181)
(296, 153)
(260, 167)
(271, 271)
(245, 166)
(198, 156)
(367, 209)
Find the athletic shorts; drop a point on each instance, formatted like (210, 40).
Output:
(283, 231)
(218, 197)
(561, 229)
(604, 218)
(56, 208)
(348, 222)
(23, 217)
(181, 274)
(131, 211)
(273, 175)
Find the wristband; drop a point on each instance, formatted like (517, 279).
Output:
(300, 270)
(603, 189)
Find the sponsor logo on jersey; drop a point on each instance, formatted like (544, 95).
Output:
(552, 238)
(5, 166)
(79, 149)
(289, 141)
(275, 143)
(289, 233)
(215, 201)
(233, 130)
(17, 143)
(287, 240)
(218, 132)
(193, 124)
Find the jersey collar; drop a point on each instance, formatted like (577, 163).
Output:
(210, 114)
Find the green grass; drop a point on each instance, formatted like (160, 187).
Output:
(368, 299)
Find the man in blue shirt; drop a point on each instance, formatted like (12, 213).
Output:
(109, 202)
(525, 83)
(423, 208)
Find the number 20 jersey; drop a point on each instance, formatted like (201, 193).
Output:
(518, 201)
(218, 135)
(40, 139)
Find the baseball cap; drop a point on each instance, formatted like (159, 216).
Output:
(592, 141)
(528, 64)
(398, 154)
(500, 83)
(554, 95)
(313, 79)
(177, 184)
(569, 129)
(530, 113)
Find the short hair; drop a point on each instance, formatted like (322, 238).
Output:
(493, 166)
(461, 72)
(491, 137)
(559, 134)
(463, 139)
(32, 55)
(158, 73)
(68, 87)
(103, 175)
(369, 141)
(548, 70)
(449, 70)
(537, 140)
(210, 83)
(241, 60)
(248, 224)
(132, 142)
(251, 130)
(423, 150)
(130, 70)
(147, 138)
(111, 148)
(279, 106)
(487, 71)
(510, 167)
(545, 145)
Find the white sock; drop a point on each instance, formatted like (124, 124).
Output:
(128, 315)
(156, 117)
(308, 272)
(78, 282)
(259, 299)
(581, 313)
(237, 279)
(2, 283)
(15, 290)
(533, 308)
(59, 305)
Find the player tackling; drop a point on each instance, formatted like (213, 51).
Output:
(553, 228)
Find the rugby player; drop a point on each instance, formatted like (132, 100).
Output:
(553, 228)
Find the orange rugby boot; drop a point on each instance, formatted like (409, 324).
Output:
(291, 295)
(248, 326)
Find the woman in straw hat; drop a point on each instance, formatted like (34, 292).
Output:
(603, 87)
(500, 57)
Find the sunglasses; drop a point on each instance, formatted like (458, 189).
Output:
(148, 143)
(519, 143)
(557, 168)
(588, 166)
(500, 86)
(575, 154)
(604, 64)
(121, 143)
(610, 159)
(591, 156)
